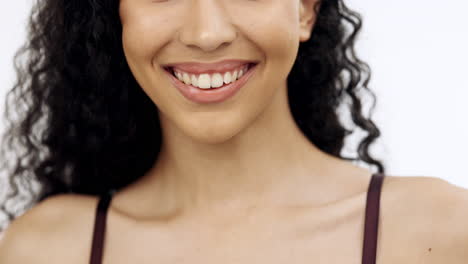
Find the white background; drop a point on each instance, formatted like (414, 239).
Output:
(417, 53)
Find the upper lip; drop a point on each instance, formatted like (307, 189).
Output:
(198, 68)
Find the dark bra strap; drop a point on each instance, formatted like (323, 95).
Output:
(100, 228)
(371, 224)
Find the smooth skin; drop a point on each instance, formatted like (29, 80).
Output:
(238, 182)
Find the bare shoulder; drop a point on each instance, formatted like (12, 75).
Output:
(430, 214)
(433, 196)
(57, 226)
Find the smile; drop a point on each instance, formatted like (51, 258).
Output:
(210, 88)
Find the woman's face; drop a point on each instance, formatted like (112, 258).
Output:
(160, 32)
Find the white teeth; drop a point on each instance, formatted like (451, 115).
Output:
(227, 78)
(234, 75)
(194, 80)
(204, 81)
(217, 80)
(187, 79)
(207, 81)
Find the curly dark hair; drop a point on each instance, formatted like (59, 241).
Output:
(85, 126)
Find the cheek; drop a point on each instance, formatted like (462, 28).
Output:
(137, 47)
(142, 36)
(277, 38)
(274, 25)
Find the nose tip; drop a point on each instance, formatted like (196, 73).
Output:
(207, 26)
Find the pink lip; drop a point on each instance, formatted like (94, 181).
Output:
(199, 68)
(214, 95)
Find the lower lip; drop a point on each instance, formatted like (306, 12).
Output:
(212, 95)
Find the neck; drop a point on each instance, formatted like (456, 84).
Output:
(266, 163)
